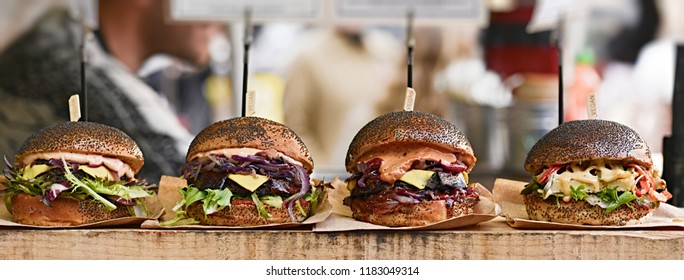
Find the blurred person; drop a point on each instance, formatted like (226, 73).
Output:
(185, 92)
(40, 70)
(335, 86)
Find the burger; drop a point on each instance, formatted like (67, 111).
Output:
(75, 173)
(409, 169)
(592, 172)
(247, 171)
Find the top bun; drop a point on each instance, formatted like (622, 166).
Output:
(251, 132)
(587, 140)
(83, 138)
(409, 127)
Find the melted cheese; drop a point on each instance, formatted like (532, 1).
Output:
(115, 165)
(614, 176)
(396, 160)
(30, 172)
(97, 172)
(244, 152)
(417, 178)
(250, 182)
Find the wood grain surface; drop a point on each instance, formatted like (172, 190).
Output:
(490, 240)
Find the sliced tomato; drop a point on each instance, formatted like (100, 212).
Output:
(547, 174)
(644, 184)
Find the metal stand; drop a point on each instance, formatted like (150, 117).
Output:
(559, 46)
(245, 69)
(84, 62)
(673, 146)
(410, 44)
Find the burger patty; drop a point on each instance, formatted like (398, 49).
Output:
(380, 197)
(220, 180)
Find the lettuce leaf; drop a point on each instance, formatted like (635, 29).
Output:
(117, 189)
(8, 202)
(608, 195)
(272, 200)
(578, 193)
(260, 207)
(314, 196)
(531, 188)
(74, 187)
(614, 201)
(189, 196)
(180, 220)
(301, 210)
(216, 200)
(623, 199)
(77, 184)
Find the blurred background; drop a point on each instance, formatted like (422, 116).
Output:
(164, 70)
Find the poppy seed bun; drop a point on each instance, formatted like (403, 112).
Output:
(581, 212)
(409, 127)
(31, 210)
(411, 215)
(83, 138)
(587, 140)
(251, 132)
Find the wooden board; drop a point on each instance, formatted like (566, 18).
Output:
(491, 240)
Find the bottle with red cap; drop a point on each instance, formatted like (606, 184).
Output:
(586, 81)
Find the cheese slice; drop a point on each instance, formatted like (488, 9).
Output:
(97, 172)
(351, 185)
(417, 178)
(250, 182)
(31, 172)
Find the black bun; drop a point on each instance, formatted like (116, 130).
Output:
(587, 140)
(409, 127)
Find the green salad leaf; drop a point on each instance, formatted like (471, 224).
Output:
(180, 220)
(216, 200)
(80, 188)
(80, 185)
(260, 207)
(300, 208)
(614, 200)
(272, 200)
(314, 196)
(623, 199)
(578, 193)
(531, 188)
(189, 196)
(118, 189)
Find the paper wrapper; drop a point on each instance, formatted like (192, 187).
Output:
(169, 197)
(507, 195)
(341, 219)
(152, 204)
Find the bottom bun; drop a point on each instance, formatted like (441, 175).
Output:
(581, 212)
(244, 213)
(31, 210)
(410, 215)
